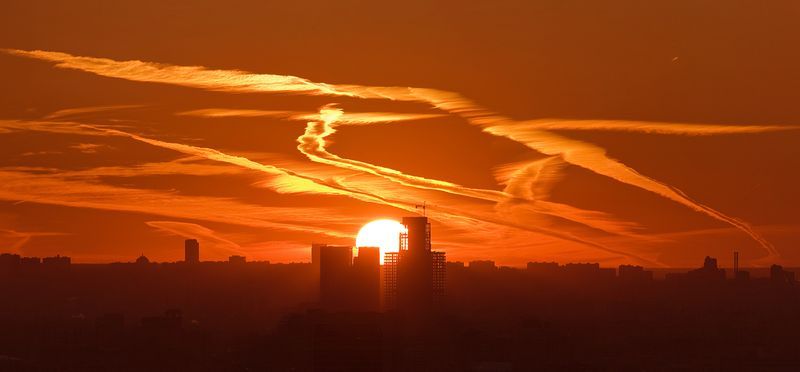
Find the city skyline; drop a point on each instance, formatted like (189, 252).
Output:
(419, 185)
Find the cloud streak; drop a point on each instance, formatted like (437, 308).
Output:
(533, 134)
(648, 127)
(356, 118)
(56, 189)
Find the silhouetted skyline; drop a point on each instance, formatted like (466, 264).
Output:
(327, 315)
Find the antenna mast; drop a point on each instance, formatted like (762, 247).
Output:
(423, 206)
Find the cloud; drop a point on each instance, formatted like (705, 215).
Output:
(313, 144)
(594, 158)
(88, 148)
(56, 189)
(82, 111)
(242, 113)
(530, 180)
(356, 118)
(189, 76)
(647, 127)
(60, 127)
(531, 134)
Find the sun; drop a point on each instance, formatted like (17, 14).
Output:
(384, 234)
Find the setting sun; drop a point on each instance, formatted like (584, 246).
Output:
(381, 233)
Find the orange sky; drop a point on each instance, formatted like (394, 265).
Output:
(614, 132)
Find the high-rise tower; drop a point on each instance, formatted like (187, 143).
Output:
(335, 276)
(414, 276)
(191, 251)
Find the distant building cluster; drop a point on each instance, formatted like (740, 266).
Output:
(191, 256)
(9, 261)
(415, 277)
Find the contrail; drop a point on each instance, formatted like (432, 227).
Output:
(312, 143)
(216, 155)
(647, 127)
(293, 182)
(321, 125)
(58, 190)
(574, 152)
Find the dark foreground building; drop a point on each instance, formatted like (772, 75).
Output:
(347, 282)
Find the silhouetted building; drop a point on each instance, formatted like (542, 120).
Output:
(454, 265)
(439, 275)
(415, 276)
(709, 271)
(9, 262)
(631, 273)
(335, 277)
(366, 278)
(588, 272)
(9, 259)
(482, 266)
(142, 260)
(347, 282)
(543, 270)
(30, 261)
(237, 259)
(315, 248)
(391, 262)
(778, 275)
(742, 275)
(191, 251)
(739, 275)
(58, 260)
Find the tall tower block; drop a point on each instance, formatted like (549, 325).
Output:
(191, 251)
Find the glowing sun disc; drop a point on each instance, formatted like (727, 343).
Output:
(384, 234)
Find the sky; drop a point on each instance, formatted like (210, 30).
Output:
(620, 132)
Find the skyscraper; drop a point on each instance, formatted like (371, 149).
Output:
(391, 261)
(439, 276)
(414, 276)
(335, 276)
(315, 247)
(191, 252)
(367, 278)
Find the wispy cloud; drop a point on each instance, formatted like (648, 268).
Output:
(356, 118)
(648, 127)
(533, 134)
(88, 148)
(80, 112)
(190, 76)
(55, 189)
